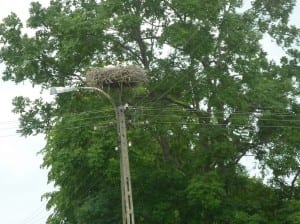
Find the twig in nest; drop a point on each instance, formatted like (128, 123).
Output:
(117, 77)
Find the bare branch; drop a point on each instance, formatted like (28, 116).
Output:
(295, 178)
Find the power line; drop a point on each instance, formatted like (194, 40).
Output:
(37, 213)
(148, 123)
(74, 118)
(107, 124)
(176, 109)
(9, 122)
(185, 115)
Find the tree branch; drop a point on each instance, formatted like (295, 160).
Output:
(179, 103)
(295, 178)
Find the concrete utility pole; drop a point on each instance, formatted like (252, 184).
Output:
(127, 203)
(116, 77)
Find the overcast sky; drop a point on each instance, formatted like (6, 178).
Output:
(22, 180)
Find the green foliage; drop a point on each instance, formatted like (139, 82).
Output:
(213, 98)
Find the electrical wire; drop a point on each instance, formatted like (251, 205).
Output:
(107, 124)
(185, 115)
(176, 109)
(166, 116)
(36, 213)
(282, 125)
(225, 125)
(9, 122)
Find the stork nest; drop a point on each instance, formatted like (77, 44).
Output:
(117, 77)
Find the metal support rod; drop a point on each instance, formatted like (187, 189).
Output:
(127, 202)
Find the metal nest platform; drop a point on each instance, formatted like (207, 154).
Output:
(116, 77)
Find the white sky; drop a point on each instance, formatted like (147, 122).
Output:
(22, 180)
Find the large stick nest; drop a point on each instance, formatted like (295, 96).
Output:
(117, 77)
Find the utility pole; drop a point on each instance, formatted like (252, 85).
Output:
(118, 77)
(127, 202)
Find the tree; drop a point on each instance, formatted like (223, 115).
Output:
(213, 98)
